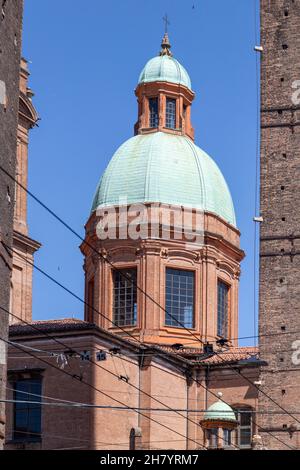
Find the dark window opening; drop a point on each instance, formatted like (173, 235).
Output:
(227, 437)
(223, 298)
(244, 430)
(90, 301)
(125, 297)
(179, 298)
(27, 416)
(153, 110)
(213, 438)
(171, 113)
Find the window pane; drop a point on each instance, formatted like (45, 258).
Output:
(227, 437)
(179, 298)
(125, 298)
(27, 416)
(213, 438)
(171, 113)
(245, 419)
(245, 428)
(223, 291)
(153, 109)
(245, 437)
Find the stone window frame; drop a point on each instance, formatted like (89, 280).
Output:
(243, 407)
(184, 269)
(136, 314)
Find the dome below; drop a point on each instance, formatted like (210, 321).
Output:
(165, 68)
(166, 169)
(220, 411)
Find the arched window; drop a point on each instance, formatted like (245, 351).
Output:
(245, 427)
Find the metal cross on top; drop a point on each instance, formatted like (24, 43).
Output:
(167, 22)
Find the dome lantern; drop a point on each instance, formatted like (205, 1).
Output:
(165, 95)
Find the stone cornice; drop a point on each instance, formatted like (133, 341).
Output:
(25, 242)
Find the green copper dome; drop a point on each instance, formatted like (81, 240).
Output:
(165, 168)
(220, 411)
(165, 68)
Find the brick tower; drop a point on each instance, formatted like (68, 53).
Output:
(280, 232)
(10, 48)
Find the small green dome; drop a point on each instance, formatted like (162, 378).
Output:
(165, 68)
(220, 411)
(168, 169)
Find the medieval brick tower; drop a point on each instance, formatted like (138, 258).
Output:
(280, 233)
(10, 48)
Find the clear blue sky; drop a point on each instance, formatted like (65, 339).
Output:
(85, 61)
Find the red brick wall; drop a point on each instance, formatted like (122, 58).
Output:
(95, 428)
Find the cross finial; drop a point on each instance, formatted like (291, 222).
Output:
(165, 45)
(167, 22)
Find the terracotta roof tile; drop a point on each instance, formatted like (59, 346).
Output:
(48, 325)
(226, 355)
(196, 355)
(232, 355)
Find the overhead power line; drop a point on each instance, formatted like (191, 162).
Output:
(196, 381)
(82, 381)
(126, 277)
(217, 354)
